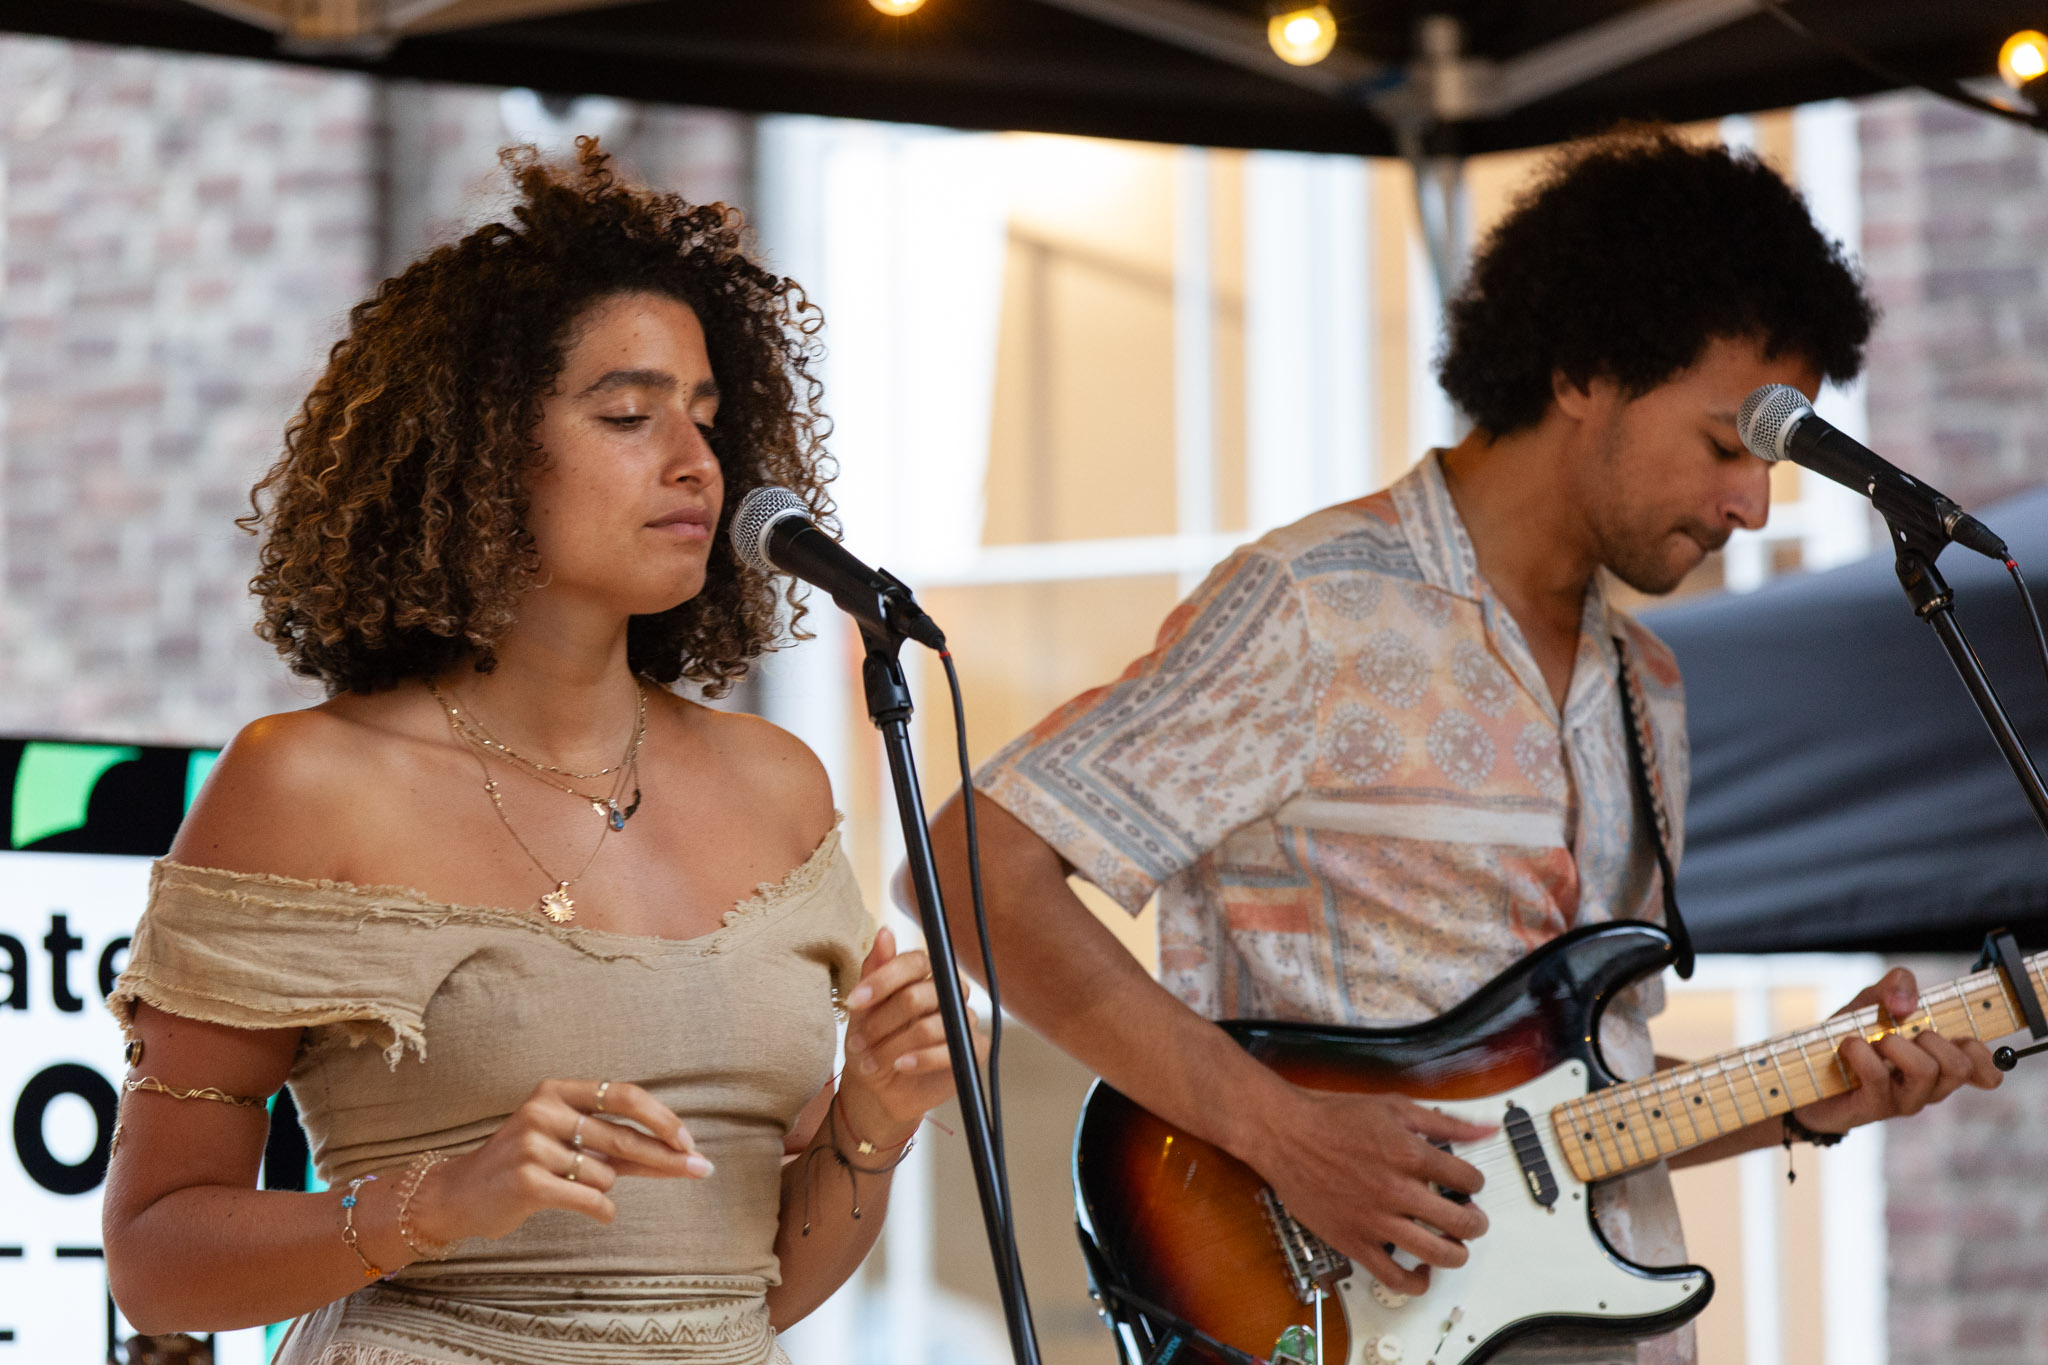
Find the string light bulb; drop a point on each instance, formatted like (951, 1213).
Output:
(1301, 35)
(897, 8)
(2024, 59)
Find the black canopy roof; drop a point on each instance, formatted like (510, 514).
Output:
(1191, 71)
(1845, 792)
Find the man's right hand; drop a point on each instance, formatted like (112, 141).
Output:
(1357, 1170)
(1361, 1171)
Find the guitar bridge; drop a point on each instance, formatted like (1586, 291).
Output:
(1309, 1258)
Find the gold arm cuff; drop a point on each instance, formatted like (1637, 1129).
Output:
(204, 1092)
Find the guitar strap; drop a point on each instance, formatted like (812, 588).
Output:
(1649, 809)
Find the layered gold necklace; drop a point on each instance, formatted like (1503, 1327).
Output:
(472, 734)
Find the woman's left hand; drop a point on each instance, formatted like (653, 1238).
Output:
(897, 1063)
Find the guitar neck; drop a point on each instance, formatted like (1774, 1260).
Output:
(1627, 1126)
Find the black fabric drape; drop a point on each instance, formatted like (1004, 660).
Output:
(1845, 792)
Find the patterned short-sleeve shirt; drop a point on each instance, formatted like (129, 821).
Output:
(1341, 772)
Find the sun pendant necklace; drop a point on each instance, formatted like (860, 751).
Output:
(557, 904)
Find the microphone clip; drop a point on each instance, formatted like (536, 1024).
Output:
(900, 614)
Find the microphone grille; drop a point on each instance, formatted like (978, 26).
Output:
(758, 513)
(1767, 417)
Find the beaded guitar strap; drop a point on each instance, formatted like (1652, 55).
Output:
(1650, 808)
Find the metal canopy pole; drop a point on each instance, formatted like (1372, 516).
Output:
(1425, 138)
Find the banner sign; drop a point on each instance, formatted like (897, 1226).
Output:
(84, 820)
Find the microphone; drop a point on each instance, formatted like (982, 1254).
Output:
(1777, 423)
(773, 533)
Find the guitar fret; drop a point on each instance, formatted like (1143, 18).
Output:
(1616, 1128)
(1687, 1109)
(1569, 1130)
(1586, 1134)
(1784, 1093)
(1649, 1125)
(1705, 1100)
(1621, 1130)
(1596, 1124)
(1848, 1079)
(1660, 1086)
(1969, 1015)
(1741, 1120)
(1806, 1060)
(1992, 989)
(1756, 1086)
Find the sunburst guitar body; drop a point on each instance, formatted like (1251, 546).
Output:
(1194, 1258)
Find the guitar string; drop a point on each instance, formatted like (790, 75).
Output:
(1964, 993)
(1495, 1155)
(1739, 1065)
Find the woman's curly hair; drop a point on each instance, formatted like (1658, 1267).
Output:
(1627, 256)
(395, 542)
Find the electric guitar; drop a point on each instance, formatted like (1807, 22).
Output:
(1194, 1258)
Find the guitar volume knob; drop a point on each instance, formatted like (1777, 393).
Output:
(1386, 1349)
(1388, 1298)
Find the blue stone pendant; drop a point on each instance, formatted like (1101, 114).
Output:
(617, 817)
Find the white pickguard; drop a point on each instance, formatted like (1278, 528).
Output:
(1533, 1262)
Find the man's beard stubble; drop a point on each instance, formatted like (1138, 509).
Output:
(1633, 552)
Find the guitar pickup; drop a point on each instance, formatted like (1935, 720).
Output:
(1521, 1131)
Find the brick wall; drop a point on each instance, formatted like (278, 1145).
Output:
(1956, 243)
(1955, 234)
(1967, 1210)
(181, 239)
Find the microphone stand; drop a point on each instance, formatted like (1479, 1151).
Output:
(1918, 545)
(888, 697)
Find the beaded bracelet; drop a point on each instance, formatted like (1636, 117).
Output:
(415, 1176)
(846, 1163)
(1795, 1129)
(348, 1225)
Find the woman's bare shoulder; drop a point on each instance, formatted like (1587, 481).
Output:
(776, 770)
(288, 792)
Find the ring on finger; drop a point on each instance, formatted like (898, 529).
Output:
(575, 1167)
(603, 1088)
(576, 1137)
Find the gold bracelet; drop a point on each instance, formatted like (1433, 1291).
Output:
(415, 1176)
(862, 1146)
(348, 1225)
(204, 1092)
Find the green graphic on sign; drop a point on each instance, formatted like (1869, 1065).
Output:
(196, 768)
(54, 784)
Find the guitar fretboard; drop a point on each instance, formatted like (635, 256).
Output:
(1626, 1126)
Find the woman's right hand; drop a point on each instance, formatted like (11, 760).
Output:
(527, 1165)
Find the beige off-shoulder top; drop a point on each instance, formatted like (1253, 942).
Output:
(428, 1024)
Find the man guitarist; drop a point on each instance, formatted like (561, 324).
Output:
(1380, 754)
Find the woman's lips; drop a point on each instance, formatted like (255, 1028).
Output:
(690, 523)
